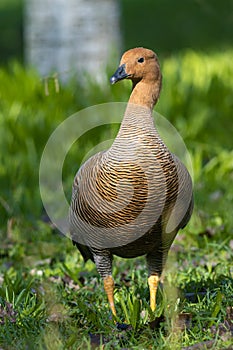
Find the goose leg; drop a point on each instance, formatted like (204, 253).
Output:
(103, 261)
(153, 282)
(155, 266)
(109, 290)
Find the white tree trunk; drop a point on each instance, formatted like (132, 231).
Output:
(70, 36)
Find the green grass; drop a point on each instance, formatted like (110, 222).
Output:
(49, 299)
(56, 300)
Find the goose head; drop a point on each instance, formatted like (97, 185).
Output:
(141, 66)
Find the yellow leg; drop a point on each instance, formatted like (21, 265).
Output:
(109, 288)
(153, 282)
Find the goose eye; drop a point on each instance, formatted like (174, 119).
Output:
(141, 60)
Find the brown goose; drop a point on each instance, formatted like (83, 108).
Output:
(132, 199)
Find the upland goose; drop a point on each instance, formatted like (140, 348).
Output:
(132, 199)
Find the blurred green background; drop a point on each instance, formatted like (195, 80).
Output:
(164, 25)
(193, 41)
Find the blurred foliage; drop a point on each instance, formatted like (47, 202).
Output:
(196, 98)
(11, 29)
(169, 26)
(163, 25)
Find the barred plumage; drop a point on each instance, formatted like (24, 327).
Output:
(132, 199)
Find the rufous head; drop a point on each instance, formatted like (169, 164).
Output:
(138, 64)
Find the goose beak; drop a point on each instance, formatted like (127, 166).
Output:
(119, 74)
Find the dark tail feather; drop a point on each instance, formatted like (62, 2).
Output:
(84, 250)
